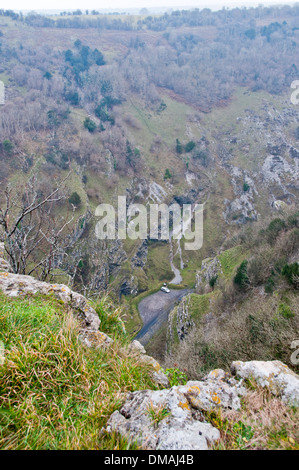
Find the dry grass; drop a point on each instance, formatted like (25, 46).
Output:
(256, 328)
(264, 422)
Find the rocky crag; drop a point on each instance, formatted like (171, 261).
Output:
(176, 418)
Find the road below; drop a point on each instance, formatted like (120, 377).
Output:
(154, 311)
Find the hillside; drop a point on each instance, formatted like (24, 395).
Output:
(184, 108)
(245, 304)
(101, 104)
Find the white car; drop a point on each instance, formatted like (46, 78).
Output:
(165, 289)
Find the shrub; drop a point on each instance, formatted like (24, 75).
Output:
(255, 329)
(293, 220)
(291, 272)
(7, 146)
(48, 75)
(176, 376)
(167, 174)
(75, 199)
(190, 146)
(270, 285)
(102, 113)
(90, 125)
(241, 278)
(213, 281)
(179, 147)
(72, 97)
(274, 229)
(285, 311)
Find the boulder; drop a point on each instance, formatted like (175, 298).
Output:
(136, 347)
(157, 374)
(274, 375)
(161, 420)
(174, 419)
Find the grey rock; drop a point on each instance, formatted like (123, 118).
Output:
(140, 258)
(294, 153)
(137, 347)
(176, 429)
(210, 268)
(129, 286)
(274, 375)
(173, 419)
(157, 374)
(160, 379)
(15, 285)
(213, 393)
(182, 318)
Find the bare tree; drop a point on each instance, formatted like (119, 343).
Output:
(35, 238)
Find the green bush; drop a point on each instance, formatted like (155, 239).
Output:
(7, 146)
(285, 311)
(179, 147)
(190, 146)
(75, 199)
(274, 229)
(176, 377)
(90, 125)
(241, 278)
(270, 285)
(213, 281)
(167, 174)
(293, 220)
(291, 272)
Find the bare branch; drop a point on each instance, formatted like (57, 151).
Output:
(35, 238)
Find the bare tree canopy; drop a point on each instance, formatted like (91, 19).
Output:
(33, 235)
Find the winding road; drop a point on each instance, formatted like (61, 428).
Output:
(154, 311)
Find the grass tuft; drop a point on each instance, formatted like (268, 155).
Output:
(54, 392)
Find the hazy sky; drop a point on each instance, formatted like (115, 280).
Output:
(123, 4)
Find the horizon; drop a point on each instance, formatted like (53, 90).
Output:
(126, 5)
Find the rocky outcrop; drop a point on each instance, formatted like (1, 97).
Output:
(173, 419)
(161, 420)
(294, 153)
(210, 270)
(157, 372)
(241, 208)
(180, 320)
(116, 256)
(176, 418)
(275, 375)
(274, 168)
(140, 258)
(16, 285)
(129, 286)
